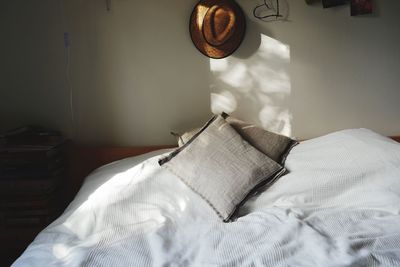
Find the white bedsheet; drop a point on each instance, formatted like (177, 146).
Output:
(338, 206)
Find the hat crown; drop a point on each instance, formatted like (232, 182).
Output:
(217, 27)
(219, 24)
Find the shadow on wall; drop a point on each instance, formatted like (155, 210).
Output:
(254, 83)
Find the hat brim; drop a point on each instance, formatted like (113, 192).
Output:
(196, 32)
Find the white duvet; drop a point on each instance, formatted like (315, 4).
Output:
(338, 206)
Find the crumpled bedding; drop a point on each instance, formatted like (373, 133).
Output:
(338, 206)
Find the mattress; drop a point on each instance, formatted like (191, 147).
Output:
(338, 205)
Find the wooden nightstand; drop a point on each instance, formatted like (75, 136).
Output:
(32, 194)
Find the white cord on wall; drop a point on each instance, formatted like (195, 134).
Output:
(67, 48)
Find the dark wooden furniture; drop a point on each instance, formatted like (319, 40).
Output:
(32, 183)
(396, 138)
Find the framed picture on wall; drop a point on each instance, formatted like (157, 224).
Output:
(332, 3)
(361, 7)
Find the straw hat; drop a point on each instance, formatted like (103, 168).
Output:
(217, 27)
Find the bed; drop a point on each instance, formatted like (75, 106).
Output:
(338, 205)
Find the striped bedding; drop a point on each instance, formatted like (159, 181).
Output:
(338, 206)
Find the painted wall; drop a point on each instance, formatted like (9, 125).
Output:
(135, 75)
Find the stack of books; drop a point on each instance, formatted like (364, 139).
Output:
(32, 172)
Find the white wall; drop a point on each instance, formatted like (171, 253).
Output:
(342, 71)
(135, 74)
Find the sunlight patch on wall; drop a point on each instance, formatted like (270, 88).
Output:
(219, 65)
(236, 76)
(271, 48)
(273, 118)
(256, 88)
(223, 102)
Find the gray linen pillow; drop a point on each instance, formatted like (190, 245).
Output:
(221, 167)
(275, 146)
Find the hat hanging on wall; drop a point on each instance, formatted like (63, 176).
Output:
(217, 27)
